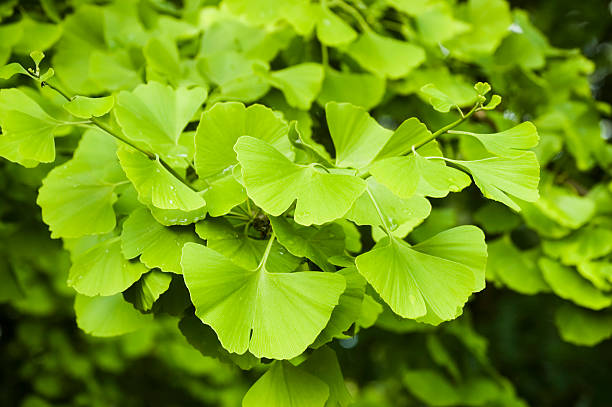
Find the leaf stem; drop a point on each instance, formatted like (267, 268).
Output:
(449, 126)
(264, 259)
(106, 128)
(379, 211)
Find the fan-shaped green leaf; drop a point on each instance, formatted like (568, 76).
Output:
(324, 364)
(155, 184)
(102, 269)
(509, 143)
(148, 289)
(438, 99)
(386, 56)
(499, 176)
(348, 309)
(585, 244)
(222, 125)
(7, 71)
(254, 309)
(274, 183)
(155, 115)
(567, 284)
(77, 197)
(299, 83)
(157, 245)
(285, 385)
(431, 280)
(411, 133)
(357, 137)
(361, 89)
(412, 174)
(514, 268)
(316, 244)
(333, 30)
(583, 327)
(84, 107)
(27, 130)
(108, 316)
(377, 200)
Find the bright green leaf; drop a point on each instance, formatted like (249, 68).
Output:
(84, 107)
(108, 316)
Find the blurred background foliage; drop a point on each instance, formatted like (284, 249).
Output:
(46, 360)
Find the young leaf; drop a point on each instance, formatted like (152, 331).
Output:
(254, 309)
(155, 115)
(357, 137)
(316, 244)
(412, 174)
(108, 316)
(274, 183)
(499, 176)
(157, 245)
(7, 71)
(85, 108)
(432, 280)
(102, 269)
(299, 83)
(27, 130)
(155, 184)
(77, 197)
(286, 385)
(385, 56)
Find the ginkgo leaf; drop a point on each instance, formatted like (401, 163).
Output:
(348, 309)
(108, 316)
(155, 184)
(569, 285)
(360, 89)
(254, 309)
(438, 99)
(222, 194)
(323, 364)
(299, 83)
(222, 125)
(27, 130)
(316, 244)
(585, 244)
(233, 243)
(378, 201)
(157, 245)
(514, 268)
(147, 290)
(386, 56)
(357, 137)
(411, 133)
(431, 280)
(583, 327)
(85, 108)
(7, 71)
(102, 269)
(274, 183)
(77, 197)
(414, 173)
(333, 30)
(497, 177)
(155, 115)
(285, 385)
(509, 143)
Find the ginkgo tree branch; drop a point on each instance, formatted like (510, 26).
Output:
(107, 129)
